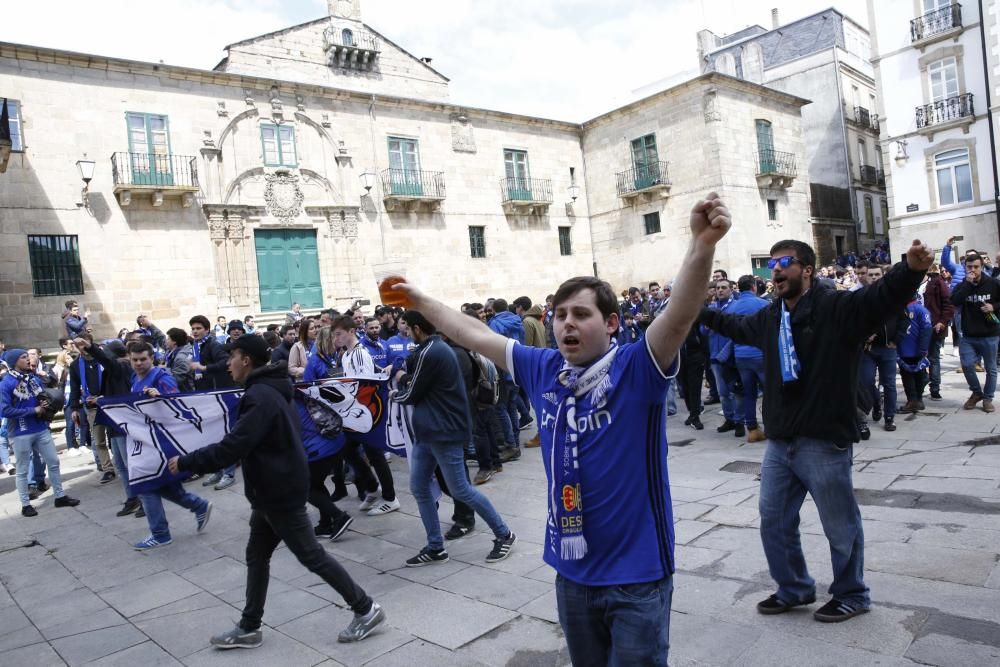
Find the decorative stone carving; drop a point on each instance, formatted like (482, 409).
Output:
(248, 96)
(221, 111)
(207, 139)
(235, 228)
(462, 138)
(326, 121)
(277, 108)
(217, 226)
(350, 224)
(300, 103)
(335, 221)
(283, 197)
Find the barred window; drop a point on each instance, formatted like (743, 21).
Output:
(55, 265)
(565, 241)
(477, 241)
(651, 221)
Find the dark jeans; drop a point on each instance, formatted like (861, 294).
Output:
(713, 389)
(913, 383)
(752, 376)
(267, 530)
(488, 437)
(689, 380)
(464, 515)
(319, 497)
(884, 359)
(508, 406)
(618, 626)
(934, 356)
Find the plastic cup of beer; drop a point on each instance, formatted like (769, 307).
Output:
(388, 274)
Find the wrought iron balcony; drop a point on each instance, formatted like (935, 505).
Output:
(880, 178)
(951, 109)
(869, 175)
(775, 169)
(158, 173)
(525, 195)
(410, 188)
(933, 24)
(644, 182)
(866, 119)
(351, 48)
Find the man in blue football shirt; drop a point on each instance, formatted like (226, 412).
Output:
(601, 411)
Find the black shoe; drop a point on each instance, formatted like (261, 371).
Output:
(713, 400)
(340, 526)
(501, 548)
(193, 477)
(28, 510)
(774, 605)
(740, 431)
(889, 425)
(935, 395)
(865, 431)
(836, 611)
(33, 493)
(726, 426)
(108, 477)
(42, 487)
(919, 406)
(131, 505)
(696, 423)
(428, 557)
(687, 422)
(323, 531)
(876, 413)
(508, 454)
(339, 493)
(66, 501)
(139, 513)
(11, 471)
(456, 531)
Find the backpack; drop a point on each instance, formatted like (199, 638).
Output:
(486, 391)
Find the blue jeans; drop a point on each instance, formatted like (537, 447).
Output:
(509, 400)
(731, 403)
(120, 459)
(884, 359)
(156, 516)
(451, 459)
(789, 470)
(4, 453)
(934, 356)
(46, 448)
(503, 413)
(752, 376)
(618, 626)
(36, 467)
(970, 350)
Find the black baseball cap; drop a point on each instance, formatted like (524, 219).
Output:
(236, 324)
(254, 347)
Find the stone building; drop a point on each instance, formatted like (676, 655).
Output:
(310, 154)
(929, 53)
(825, 58)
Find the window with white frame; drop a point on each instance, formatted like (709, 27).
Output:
(943, 76)
(14, 114)
(954, 177)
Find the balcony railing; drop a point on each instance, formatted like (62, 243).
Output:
(869, 175)
(936, 22)
(770, 161)
(866, 119)
(942, 111)
(154, 171)
(411, 187)
(351, 47)
(880, 178)
(528, 190)
(645, 177)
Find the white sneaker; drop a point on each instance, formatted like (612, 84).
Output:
(384, 507)
(75, 451)
(370, 501)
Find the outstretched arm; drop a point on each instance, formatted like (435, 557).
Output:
(709, 223)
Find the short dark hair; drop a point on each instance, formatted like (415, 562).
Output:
(803, 251)
(369, 320)
(86, 336)
(499, 305)
(344, 323)
(285, 329)
(414, 318)
(140, 347)
(63, 341)
(633, 290)
(247, 318)
(729, 283)
(972, 257)
(69, 304)
(607, 302)
(138, 319)
(273, 327)
(330, 311)
(863, 264)
(200, 319)
(522, 302)
(179, 336)
(272, 339)
(745, 283)
(722, 271)
(653, 284)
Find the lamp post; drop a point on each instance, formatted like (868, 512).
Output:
(574, 192)
(86, 169)
(368, 177)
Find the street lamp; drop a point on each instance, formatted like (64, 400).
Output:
(574, 191)
(86, 169)
(368, 180)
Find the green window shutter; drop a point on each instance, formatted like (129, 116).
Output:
(286, 146)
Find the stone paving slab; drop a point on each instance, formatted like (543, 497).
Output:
(147, 654)
(149, 593)
(277, 649)
(36, 655)
(319, 631)
(88, 646)
(187, 632)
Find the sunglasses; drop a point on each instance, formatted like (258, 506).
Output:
(783, 262)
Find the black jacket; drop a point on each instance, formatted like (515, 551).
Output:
(76, 384)
(281, 352)
(828, 328)
(215, 359)
(267, 439)
(117, 379)
(889, 329)
(465, 365)
(436, 390)
(970, 299)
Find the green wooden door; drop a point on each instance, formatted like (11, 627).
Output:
(287, 269)
(765, 148)
(149, 149)
(516, 167)
(404, 167)
(760, 267)
(646, 162)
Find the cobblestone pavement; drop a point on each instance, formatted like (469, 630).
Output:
(74, 592)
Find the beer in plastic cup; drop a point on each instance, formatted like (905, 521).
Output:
(388, 274)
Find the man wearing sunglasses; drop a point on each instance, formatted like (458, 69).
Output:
(811, 337)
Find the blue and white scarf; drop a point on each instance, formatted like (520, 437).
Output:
(790, 366)
(565, 494)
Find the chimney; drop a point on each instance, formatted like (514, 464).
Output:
(775, 21)
(427, 61)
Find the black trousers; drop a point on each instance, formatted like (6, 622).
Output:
(488, 436)
(363, 470)
(267, 530)
(464, 514)
(690, 377)
(319, 497)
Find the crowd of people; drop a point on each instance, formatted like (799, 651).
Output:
(590, 370)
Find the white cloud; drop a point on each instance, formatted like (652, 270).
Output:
(566, 59)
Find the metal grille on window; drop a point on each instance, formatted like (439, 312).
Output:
(772, 209)
(565, 242)
(55, 265)
(477, 241)
(651, 221)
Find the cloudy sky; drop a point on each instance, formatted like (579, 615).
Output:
(564, 59)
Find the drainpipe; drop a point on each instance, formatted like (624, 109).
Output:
(378, 209)
(586, 193)
(847, 157)
(989, 118)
